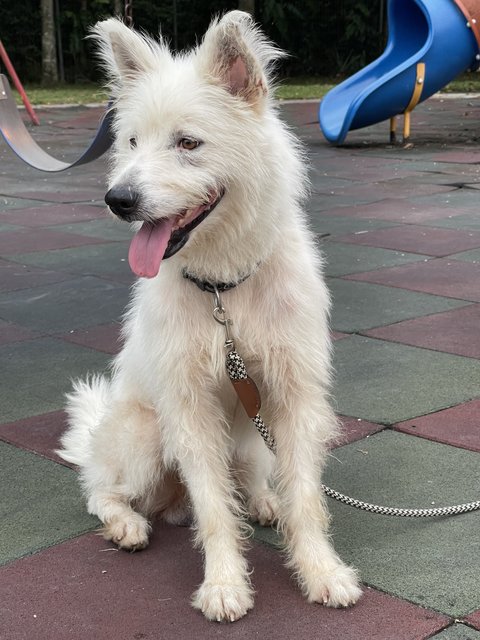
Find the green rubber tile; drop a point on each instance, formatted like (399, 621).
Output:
(458, 632)
(343, 259)
(108, 228)
(37, 374)
(356, 308)
(419, 560)
(5, 226)
(109, 260)
(9, 202)
(341, 225)
(385, 382)
(41, 504)
(470, 222)
(64, 306)
(468, 256)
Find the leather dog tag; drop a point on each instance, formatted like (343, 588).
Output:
(248, 395)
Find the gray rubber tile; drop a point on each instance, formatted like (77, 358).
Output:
(37, 374)
(432, 562)
(385, 382)
(458, 632)
(358, 306)
(108, 260)
(64, 306)
(343, 259)
(41, 504)
(107, 228)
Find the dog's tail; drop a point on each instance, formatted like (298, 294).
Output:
(86, 405)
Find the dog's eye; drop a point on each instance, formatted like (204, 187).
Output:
(189, 144)
(133, 143)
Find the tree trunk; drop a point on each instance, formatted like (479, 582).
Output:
(247, 5)
(49, 51)
(118, 6)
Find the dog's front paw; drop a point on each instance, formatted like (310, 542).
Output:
(264, 508)
(130, 533)
(338, 588)
(223, 602)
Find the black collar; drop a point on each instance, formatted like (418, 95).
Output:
(204, 285)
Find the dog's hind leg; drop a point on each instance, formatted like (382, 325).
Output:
(254, 464)
(121, 466)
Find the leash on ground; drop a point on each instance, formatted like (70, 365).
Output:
(249, 396)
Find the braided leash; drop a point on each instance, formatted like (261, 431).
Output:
(237, 373)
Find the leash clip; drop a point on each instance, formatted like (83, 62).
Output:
(219, 315)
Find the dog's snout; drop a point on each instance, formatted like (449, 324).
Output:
(123, 201)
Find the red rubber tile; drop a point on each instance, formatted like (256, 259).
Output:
(442, 277)
(52, 214)
(355, 429)
(64, 196)
(85, 589)
(338, 335)
(474, 619)
(29, 240)
(429, 241)
(10, 332)
(15, 276)
(105, 337)
(455, 331)
(457, 426)
(40, 434)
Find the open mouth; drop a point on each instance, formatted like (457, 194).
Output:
(157, 241)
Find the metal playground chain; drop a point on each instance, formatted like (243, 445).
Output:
(249, 397)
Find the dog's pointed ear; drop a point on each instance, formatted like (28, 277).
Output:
(123, 52)
(236, 54)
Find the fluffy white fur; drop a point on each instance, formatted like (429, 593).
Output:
(166, 431)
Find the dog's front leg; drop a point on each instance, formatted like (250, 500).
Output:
(301, 429)
(203, 459)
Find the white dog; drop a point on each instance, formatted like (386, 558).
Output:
(203, 162)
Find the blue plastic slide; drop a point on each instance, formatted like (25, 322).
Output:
(434, 32)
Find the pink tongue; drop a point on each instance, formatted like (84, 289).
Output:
(148, 247)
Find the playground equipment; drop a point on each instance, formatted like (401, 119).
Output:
(429, 43)
(21, 142)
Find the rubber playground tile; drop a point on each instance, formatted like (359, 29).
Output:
(441, 277)
(343, 259)
(396, 188)
(106, 228)
(340, 225)
(66, 196)
(51, 214)
(453, 331)
(105, 337)
(12, 333)
(398, 210)
(474, 619)
(385, 383)
(71, 304)
(8, 202)
(81, 590)
(420, 560)
(39, 434)
(417, 239)
(470, 221)
(352, 429)
(458, 632)
(37, 374)
(468, 256)
(108, 260)
(14, 276)
(360, 306)
(457, 426)
(27, 240)
(41, 505)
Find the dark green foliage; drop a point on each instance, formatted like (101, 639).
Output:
(323, 37)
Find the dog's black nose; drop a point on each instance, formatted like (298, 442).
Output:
(123, 201)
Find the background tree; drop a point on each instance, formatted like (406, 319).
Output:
(49, 47)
